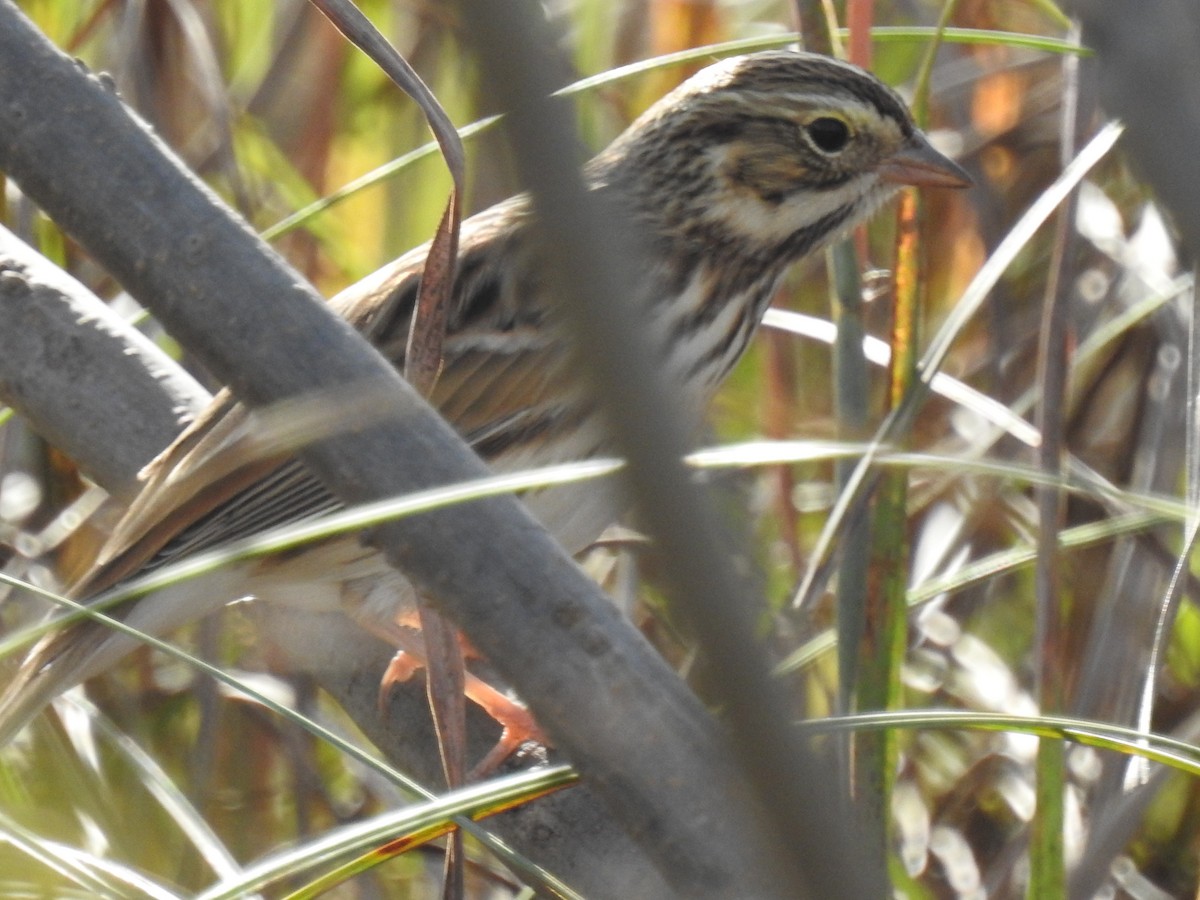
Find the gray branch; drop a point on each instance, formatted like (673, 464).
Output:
(636, 733)
(1148, 52)
(84, 379)
(93, 386)
(1146, 74)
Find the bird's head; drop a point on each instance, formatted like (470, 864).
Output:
(775, 149)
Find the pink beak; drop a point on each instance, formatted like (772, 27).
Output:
(918, 164)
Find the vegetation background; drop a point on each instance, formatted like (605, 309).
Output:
(277, 112)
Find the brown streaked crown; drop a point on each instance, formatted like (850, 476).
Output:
(748, 166)
(761, 146)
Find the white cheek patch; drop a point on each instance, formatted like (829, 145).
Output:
(748, 214)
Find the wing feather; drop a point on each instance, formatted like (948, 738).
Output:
(221, 479)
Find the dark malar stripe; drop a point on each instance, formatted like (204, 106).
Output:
(801, 243)
(724, 352)
(736, 267)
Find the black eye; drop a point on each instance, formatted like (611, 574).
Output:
(829, 135)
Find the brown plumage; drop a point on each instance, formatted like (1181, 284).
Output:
(748, 166)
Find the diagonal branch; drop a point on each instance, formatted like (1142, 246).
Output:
(88, 382)
(84, 379)
(254, 322)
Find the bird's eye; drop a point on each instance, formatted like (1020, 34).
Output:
(827, 134)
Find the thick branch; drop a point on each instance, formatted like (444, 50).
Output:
(1148, 57)
(96, 388)
(600, 691)
(1146, 73)
(85, 380)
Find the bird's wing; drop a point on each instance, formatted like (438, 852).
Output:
(223, 478)
(210, 462)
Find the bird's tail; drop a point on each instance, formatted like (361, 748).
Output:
(59, 661)
(86, 648)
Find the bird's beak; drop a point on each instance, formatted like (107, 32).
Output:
(918, 164)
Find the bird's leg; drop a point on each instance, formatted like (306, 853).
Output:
(517, 723)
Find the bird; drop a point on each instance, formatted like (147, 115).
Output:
(750, 165)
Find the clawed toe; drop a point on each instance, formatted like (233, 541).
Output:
(516, 721)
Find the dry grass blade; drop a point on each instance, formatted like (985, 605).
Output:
(423, 356)
(357, 28)
(429, 323)
(900, 419)
(422, 364)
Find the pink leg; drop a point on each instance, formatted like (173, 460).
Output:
(516, 721)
